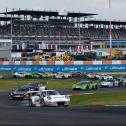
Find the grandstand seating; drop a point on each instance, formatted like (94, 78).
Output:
(39, 29)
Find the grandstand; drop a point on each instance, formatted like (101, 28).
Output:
(69, 31)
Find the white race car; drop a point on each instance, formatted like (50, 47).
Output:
(49, 98)
(104, 77)
(20, 75)
(61, 75)
(110, 83)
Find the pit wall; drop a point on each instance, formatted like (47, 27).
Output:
(105, 62)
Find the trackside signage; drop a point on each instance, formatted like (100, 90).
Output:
(63, 68)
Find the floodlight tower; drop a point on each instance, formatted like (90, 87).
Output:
(110, 29)
(11, 31)
(79, 33)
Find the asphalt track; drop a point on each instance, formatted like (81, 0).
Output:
(13, 114)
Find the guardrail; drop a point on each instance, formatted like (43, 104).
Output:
(63, 66)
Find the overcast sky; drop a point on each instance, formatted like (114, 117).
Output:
(101, 7)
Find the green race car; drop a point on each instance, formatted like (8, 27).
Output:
(38, 75)
(44, 75)
(84, 85)
(35, 75)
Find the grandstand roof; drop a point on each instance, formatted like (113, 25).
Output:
(7, 18)
(47, 13)
(104, 22)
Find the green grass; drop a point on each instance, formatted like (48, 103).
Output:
(99, 99)
(81, 100)
(9, 84)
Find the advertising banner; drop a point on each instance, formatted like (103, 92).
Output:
(63, 68)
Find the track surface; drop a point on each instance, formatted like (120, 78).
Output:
(13, 114)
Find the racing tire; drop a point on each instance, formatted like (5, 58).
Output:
(66, 105)
(26, 76)
(116, 85)
(43, 103)
(87, 88)
(95, 88)
(14, 76)
(63, 77)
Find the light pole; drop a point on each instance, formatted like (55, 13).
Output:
(11, 31)
(79, 33)
(59, 41)
(110, 29)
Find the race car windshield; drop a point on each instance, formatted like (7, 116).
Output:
(82, 83)
(52, 93)
(23, 89)
(35, 85)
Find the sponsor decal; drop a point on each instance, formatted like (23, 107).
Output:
(63, 68)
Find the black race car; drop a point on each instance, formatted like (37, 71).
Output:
(37, 86)
(23, 92)
(19, 93)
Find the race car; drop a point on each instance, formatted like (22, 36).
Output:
(61, 75)
(19, 93)
(110, 83)
(84, 85)
(20, 75)
(29, 94)
(91, 76)
(49, 98)
(122, 80)
(37, 86)
(38, 75)
(22, 92)
(1, 77)
(35, 75)
(104, 77)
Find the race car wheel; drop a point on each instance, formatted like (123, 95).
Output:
(43, 103)
(95, 87)
(87, 88)
(66, 105)
(14, 76)
(26, 76)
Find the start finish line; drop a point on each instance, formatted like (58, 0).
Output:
(63, 68)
